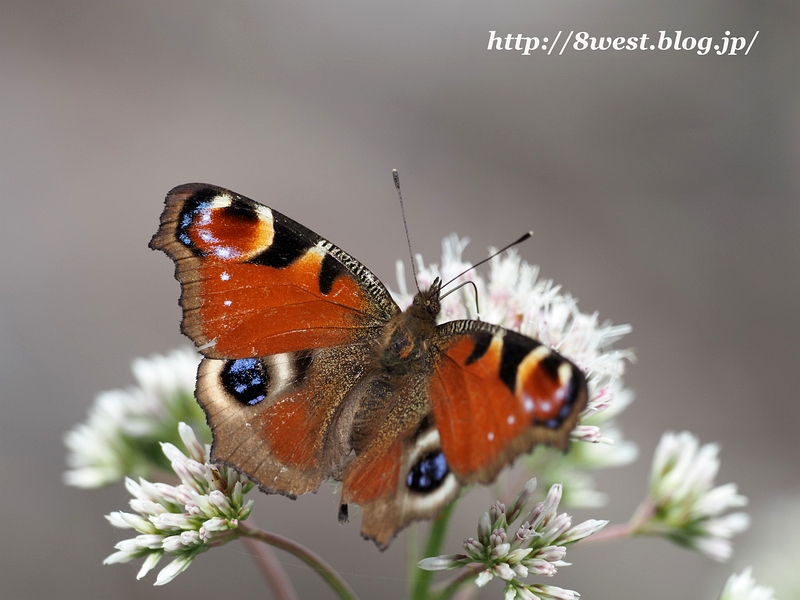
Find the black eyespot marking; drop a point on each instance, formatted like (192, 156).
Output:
(428, 473)
(550, 364)
(246, 380)
(329, 271)
(483, 339)
(287, 246)
(577, 386)
(198, 202)
(512, 354)
(242, 211)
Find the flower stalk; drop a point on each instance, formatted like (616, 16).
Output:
(328, 573)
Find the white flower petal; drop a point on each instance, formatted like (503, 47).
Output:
(149, 562)
(727, 526)
(193, 446)
(119, 557)
(500, 551)
(582, 530)
(718, 549)
(503, 571)
(483, 578)
(718, 500)
(439, 563)
(173, 569)
(551, 592)
(744, 587)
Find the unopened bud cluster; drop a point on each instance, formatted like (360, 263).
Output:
(537, 546)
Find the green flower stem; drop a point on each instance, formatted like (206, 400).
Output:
(271, 569)
(325, 571)
(421, 579)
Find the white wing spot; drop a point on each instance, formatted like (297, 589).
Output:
(511, 419)
(227, 303)
(546, 406)
(490, 436)
(225, 276)
(528, 404)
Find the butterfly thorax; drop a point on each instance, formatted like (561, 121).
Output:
(408, 335)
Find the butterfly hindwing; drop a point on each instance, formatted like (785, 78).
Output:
(256, 283)
(495, 394)
(398, 473)
(483, 396)
(279, 418)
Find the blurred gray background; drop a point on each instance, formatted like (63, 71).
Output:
(662, 187)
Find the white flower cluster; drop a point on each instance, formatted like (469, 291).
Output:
(538, 546)
(744, 587)
(515, 298)
(686, 508)
(122, 433)
(204, 510)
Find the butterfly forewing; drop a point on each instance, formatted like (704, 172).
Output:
(257, 283)
(496, 394)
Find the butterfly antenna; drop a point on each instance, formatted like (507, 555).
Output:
(465, 284)
(396, 178)
(503, 249)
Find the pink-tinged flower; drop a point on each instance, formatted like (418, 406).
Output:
(182, 520)
(121, 435)
(536, 547)
(744, 587)
(686, 507)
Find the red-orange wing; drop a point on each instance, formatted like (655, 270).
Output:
(275, 417)
(496, 394)
(256, 283)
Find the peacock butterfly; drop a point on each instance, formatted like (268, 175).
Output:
(311, 371)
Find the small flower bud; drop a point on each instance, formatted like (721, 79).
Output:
(521, 500)
(503, 571)
(440, 563)
(500, 551)
(484, 528)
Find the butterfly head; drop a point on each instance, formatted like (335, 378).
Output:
(406, 338)
(426, 304)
